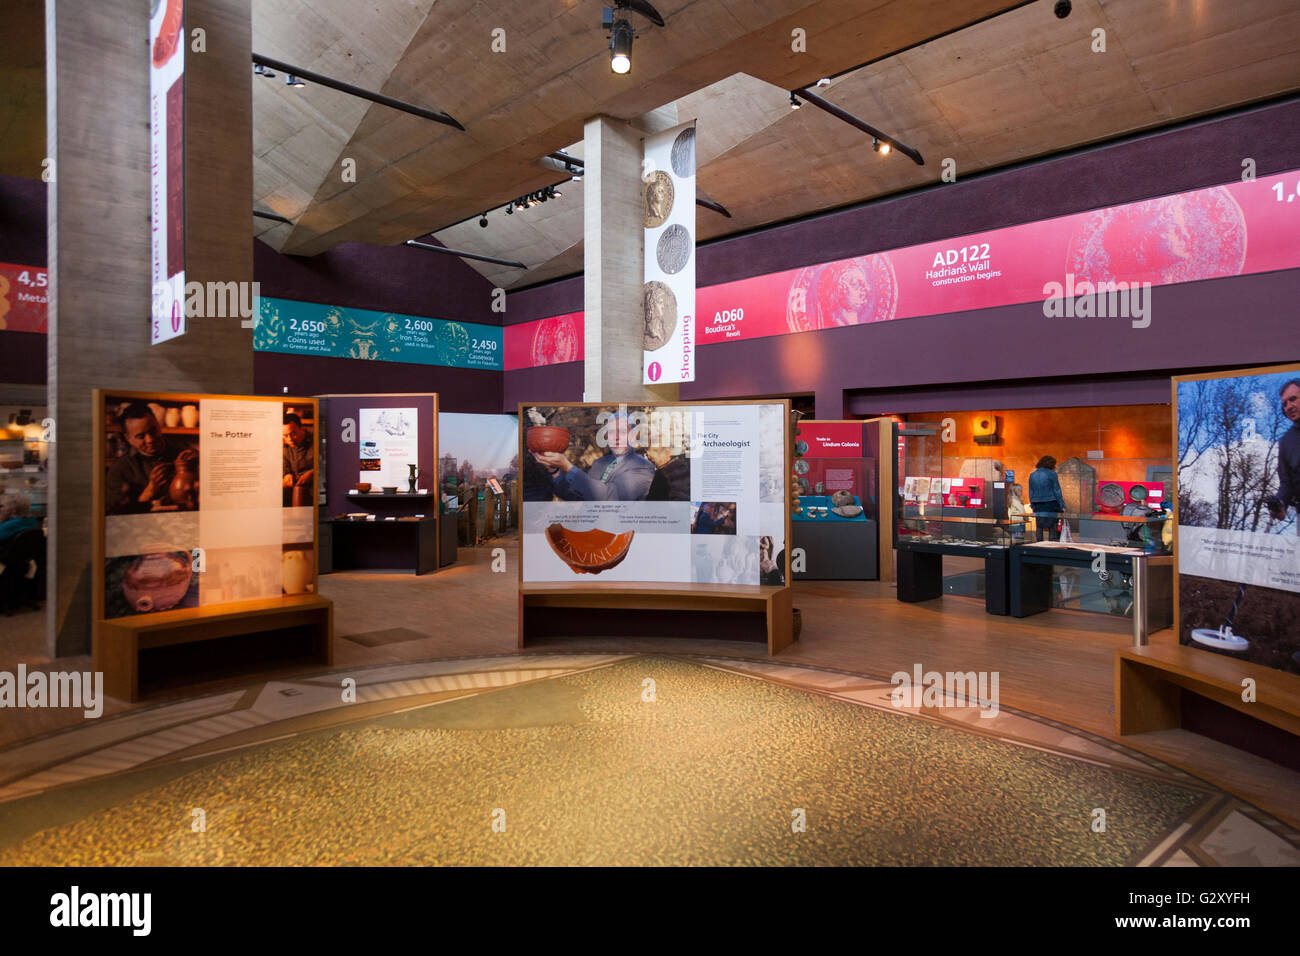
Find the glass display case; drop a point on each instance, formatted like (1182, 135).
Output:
(942, 498)
(964, 522)
(946, 498)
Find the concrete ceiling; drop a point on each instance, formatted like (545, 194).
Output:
(1015, 87)
(414, 176)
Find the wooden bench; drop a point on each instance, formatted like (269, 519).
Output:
(1148, 681)
(118, 642)
(775, 603)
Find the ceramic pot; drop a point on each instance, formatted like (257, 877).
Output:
(184, 489)
(155, 582)
(543, 438)
(295, 571)
(190, 416)
(172, 418)
(159, 412)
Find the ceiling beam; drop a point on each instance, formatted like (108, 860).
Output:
(351, 90)
(853, 121)
(465, 255)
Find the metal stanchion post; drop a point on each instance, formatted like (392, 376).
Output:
(1140, 600)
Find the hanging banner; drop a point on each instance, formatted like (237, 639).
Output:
(550, 341)
(668, 296)
(24, 298)
(167, 168)
(311, 328)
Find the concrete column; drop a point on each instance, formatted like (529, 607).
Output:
(97, 115)
(613, 241)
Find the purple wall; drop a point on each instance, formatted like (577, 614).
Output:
(22, 240)
(540, 302)
(553, 383)
(401, 279)
(23, 221)
(459, 389)
(936, 362)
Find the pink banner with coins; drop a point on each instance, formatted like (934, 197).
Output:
(1237, 229)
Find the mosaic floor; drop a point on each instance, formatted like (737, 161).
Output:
(605, 759)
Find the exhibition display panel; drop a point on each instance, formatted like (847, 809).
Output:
(382, 494)
(635, 518)
(836, 523)
(206, 533)
(971, 485)
(1237, 548)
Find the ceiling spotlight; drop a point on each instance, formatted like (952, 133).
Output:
(879, 147)
(824, 81)
(794, 101)
(620, 46)
(510, 209)
(577, 175)
(483, 221)
(291, 80)
(261, 70)
(555, 193)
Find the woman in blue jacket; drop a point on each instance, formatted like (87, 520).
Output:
(1045, 498)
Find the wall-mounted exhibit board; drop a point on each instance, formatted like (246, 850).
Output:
(207, 515)
(656, 507)
(836, 471)
(383, 440)
(1237, 551)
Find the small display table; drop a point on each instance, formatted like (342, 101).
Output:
(920, 571)
(1031, 578)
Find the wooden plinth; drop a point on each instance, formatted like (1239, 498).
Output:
(1148, 681)
(119, 641)
(775, 603)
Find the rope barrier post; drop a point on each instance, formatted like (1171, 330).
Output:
(1140, 597)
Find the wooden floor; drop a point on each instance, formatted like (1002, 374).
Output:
(1058, 665)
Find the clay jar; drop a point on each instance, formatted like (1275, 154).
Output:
(295, 571)
(184, 489)
(155, 582)
(542, 438)
(190, 416)
(172, 417)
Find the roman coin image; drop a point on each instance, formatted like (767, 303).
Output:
(845, 292)
(659, 310)
(683, 153)
(674, 249)
(1164, 241)
(659, 194)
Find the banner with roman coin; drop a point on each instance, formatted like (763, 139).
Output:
(668, 296)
